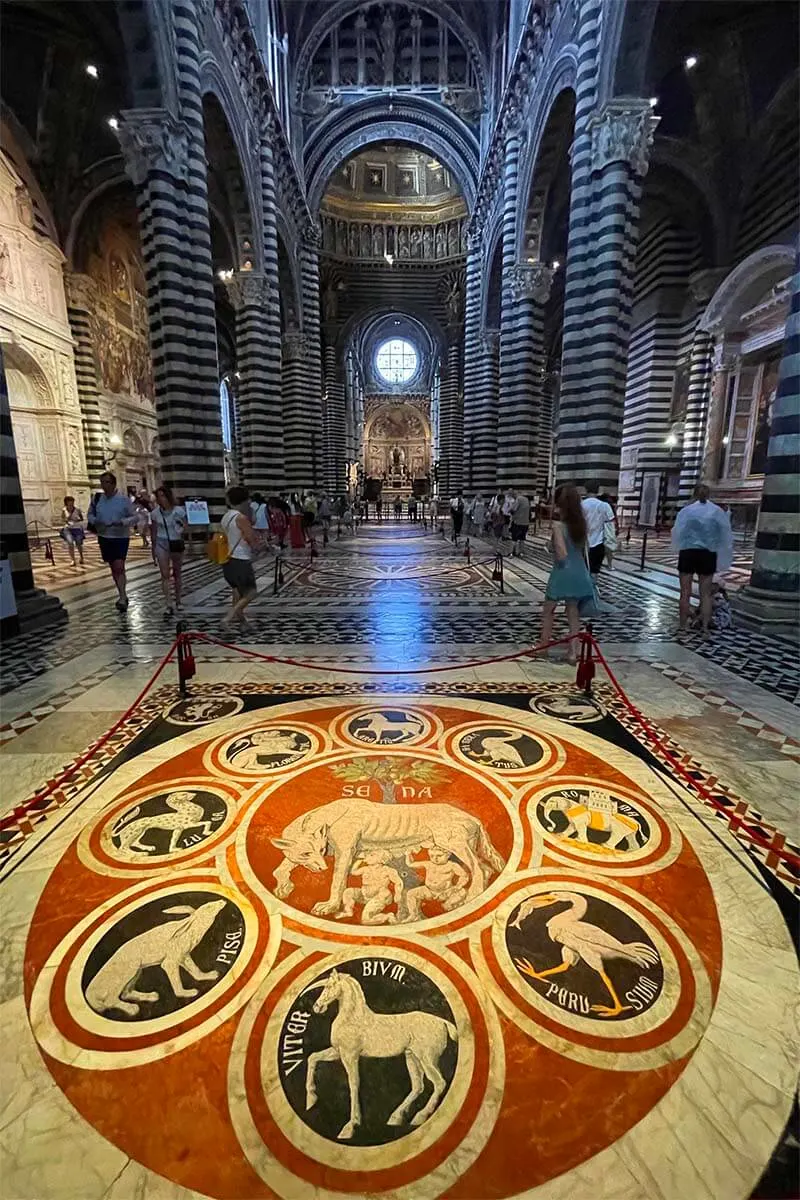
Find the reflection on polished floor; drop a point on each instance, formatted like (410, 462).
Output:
(384, 930)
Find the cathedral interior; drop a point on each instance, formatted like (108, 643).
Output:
(399, 886)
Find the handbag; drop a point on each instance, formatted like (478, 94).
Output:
(176, 545)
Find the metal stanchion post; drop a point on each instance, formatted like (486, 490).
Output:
(644, 551)
(275, 580)
(502, 576)
(467, 554)
(185, 659)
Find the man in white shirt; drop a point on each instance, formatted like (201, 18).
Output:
(598, 514)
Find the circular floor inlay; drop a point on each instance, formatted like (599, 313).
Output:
(404, 946)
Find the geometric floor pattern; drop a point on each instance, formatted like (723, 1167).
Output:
(336, 600)
(407, 943)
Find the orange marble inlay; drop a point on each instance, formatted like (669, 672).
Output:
(165, 1051)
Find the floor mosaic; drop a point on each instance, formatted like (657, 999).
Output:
(367, 925)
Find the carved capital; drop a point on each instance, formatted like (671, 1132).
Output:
(489, 341)
(703, 284)
(152, 139)
(295, 346)
(531, 282)
(726, 354)
(312, 235)
(81, 290)
(623, 131)
(250, 288)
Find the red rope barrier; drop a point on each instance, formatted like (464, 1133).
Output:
(60, 780)
(734, 819)
(529, 651)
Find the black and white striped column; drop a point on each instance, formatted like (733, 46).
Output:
(695, 422)
(451, 420)
(510, 455)
(81, 293)
(296, 435)
(775, 577)
(599, 291)
(581, 241)
(484, 462)
(259, 392)
(334, 415)
(165, 157)
(472, 319)
(313, 432)
(521, 388)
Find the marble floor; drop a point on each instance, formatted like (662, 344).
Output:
(413, 919)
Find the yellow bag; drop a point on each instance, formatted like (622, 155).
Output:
(218, 549)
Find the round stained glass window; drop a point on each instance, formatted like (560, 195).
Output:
(396, 360)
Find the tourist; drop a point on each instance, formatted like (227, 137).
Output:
(457, 515)
(703, 537)
(142, 506)
(508, 507)
(569, 580)
(278, 522)
(112, 516)
(412, 508)
(243, 541)
(309, 514)
(598, 515)
(72, 530)
(477, 515)
(324, 512)
(496, 518)
(520, 520)
(610, 530)
(259, 518)
(296, 532)
(167, 522)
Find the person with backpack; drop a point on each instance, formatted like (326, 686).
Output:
(243, 542)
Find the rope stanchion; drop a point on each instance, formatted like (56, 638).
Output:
(468, 553)
(65, 776)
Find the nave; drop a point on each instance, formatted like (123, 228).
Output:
(199, 807)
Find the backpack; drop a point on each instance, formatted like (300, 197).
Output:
(218, 549)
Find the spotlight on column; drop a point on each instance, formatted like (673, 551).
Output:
(555, 264)
(691, 62)
(92, 71)
(113, 123)
(725, 440)
(389, 258)
(653, 102)
(672, 440)
(224, 275)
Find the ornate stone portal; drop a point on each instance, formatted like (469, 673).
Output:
(39, 362)
(397, 443)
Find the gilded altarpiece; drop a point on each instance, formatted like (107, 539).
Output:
(397, 440)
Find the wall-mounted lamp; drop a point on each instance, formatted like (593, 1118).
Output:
(92, 71)
(725, 440)
(653, 102)
(555, 264)
(389, 258)
(691, 62)
(113, 123)
(224, 275)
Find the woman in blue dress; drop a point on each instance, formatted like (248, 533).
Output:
(569, 580)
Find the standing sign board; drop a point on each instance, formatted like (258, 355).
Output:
(196, 512)
(650, 499)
